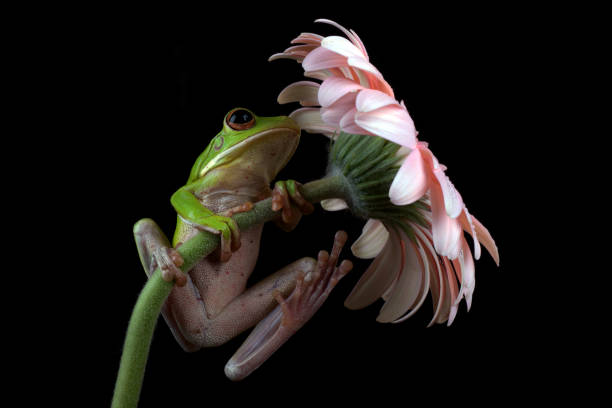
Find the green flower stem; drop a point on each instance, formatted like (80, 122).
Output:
(156, 290)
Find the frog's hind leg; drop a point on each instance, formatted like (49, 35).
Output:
(155, 251)
(309, 294)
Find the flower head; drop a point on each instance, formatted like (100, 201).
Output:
(416, 217)
(353, 97)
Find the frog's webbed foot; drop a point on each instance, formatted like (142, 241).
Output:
(286, 196)
(312, 290)
(292, 313)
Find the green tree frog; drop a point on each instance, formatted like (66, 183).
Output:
(211, 304)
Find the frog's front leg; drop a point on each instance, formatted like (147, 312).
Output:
(189, 208)
(310, 292)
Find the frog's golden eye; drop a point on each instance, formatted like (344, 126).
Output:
(240, 119)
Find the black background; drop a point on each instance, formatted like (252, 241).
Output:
(148, 93)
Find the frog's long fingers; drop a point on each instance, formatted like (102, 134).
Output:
(230, 233)
(280, 200)
(339, 241)
(294, 192)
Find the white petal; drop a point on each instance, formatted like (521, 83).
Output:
(407, 288)
(425, 282)
(321, 74)
(372, 240)
(334, 204)
(446, 231)
(322, 58)
(342, 46)
(465, 264)
(439, 289)
(450, 282)
(309, 119)
(304, 92)
(378, 277)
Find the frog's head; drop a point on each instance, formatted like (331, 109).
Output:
(261, 144)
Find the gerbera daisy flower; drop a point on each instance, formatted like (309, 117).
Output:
(416, 217)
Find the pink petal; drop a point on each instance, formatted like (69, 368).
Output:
(283, 55)
(446, 231)
(378, 277)
(452, 290)
(309, 119)
(304, 92)
(390, 122)
(334, 88)
(301, 49)
(322, 58)
(350, 34)
(357, 41)
(466, 223)
(348, 125)
(373, 77)
(308, 38)
(486, 239)
(464, 266)
(334, 113)
(372, 240)
(428, 157)
(452, 199)
(342, 46)
(410, 182)
(369, 100)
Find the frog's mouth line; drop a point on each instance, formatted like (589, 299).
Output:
(291, 133)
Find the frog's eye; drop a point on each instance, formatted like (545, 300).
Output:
(240, 119)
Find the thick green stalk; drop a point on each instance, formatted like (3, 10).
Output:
(156, 290)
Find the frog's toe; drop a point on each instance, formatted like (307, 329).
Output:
(312, 290)
(169, 260)
(286, 196)
(298, 199)
(230, 239)
(229, 233)
(280, 201)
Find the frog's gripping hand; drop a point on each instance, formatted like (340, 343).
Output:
(193, 212)
(286, 196)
